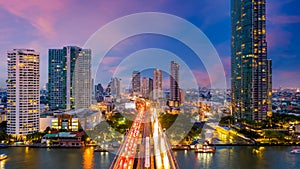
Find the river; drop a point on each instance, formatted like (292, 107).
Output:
(244, 157)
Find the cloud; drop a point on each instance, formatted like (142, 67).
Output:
(111, 60)
(40, 14)
(284, 19)
(278, 37)
(286, 78)
(202, 77)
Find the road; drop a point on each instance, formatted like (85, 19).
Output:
(145, 145)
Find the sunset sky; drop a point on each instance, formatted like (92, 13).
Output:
(45, 24)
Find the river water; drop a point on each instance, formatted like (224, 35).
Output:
(244, 157)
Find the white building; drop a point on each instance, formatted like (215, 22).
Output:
(23, 92)
(83, 80)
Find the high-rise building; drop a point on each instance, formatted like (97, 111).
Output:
(23, 91)
(61, 76)
(144, 87)
(150, 88)
(136, 83)
(250, 69)
(157, 84)
(99, 93)
(116, 87)
(82, 91)
(174, 82)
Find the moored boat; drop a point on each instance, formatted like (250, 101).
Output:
(3, 156)
(295, 151)
(100, 149)
(205, 148)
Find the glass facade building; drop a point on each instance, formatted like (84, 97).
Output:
(251, 76)
(61, 76)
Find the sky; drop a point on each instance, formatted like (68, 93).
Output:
(46, 24)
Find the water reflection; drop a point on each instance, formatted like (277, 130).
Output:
(259, 152)
(204, 159)
(2, 164)
(88, 158)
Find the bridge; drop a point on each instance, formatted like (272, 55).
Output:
(145, 145)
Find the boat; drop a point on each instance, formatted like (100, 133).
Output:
(3, 156)
(295, 151)
(100, 149)
(3, 145)
(180, 147)
(205, 148)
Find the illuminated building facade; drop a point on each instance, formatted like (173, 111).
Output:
(136, 83)
(65, 122)
(82, 90)
(61, 78)
(174, 84)
(157, 84)
(251, 76)
(23, 92)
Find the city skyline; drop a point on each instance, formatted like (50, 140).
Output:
(164, 84)
(43, 34)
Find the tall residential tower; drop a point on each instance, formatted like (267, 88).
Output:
(23, 92)
(174, 82)
(251, 77)
(82, 91)
(62, 80)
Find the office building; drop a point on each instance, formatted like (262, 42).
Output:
(23, 92)
(157, 84)
(136, 83)
(61, 76)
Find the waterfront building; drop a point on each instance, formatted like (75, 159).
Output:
(61, 77)
(65, 122)
(174, 85)
(23, 91)
(82, 91)
(250, 68)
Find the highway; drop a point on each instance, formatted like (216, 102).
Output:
(145, 146)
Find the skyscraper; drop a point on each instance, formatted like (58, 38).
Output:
(61, 75)
(150, 88)
(23, 91)
(250, 69)
(116, 87)
(57, 78)
(157, 84)
(82, 90)
(99, 92)
(174, 82)
(144, 87)
(136, 83)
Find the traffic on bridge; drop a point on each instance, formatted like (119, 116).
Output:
(145, 145)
